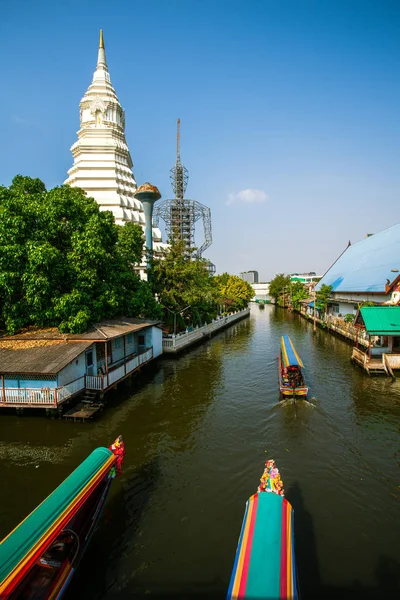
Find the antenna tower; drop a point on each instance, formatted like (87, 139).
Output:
(181, 214)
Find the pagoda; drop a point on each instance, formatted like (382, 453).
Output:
(102, 161)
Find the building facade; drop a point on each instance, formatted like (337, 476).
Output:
(102, 164)
(43, 368)
(368, 271)
(249, 276)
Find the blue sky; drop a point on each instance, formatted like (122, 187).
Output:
(289, 112)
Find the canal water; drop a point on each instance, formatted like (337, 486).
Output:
(197, 432)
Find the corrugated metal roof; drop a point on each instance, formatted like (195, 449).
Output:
(367, 265)
(100, 331)
(381, 320)
(48, 359)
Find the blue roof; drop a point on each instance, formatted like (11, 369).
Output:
(367, 265)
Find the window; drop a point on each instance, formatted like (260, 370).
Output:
(117, 343)
(141, 340)
(335, 308)
(129, 338)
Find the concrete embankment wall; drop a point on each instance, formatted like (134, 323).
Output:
(338, 326)
(177, 343)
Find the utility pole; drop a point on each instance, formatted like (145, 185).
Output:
(315, 310)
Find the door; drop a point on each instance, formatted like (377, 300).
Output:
(89, 362)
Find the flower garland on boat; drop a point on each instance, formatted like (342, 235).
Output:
(271, 479)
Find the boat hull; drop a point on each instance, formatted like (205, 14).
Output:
(40, 556)
(265, 564)
(300, 392)
(290, 376)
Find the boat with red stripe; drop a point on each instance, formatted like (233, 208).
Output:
(291, 379)
(39, 557)
(265, 565)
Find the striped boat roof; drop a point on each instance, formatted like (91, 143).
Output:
(289, 354)
(29, 533)
(265, 564)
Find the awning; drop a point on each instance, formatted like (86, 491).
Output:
(265, 564)
(381, 320)
(289, 354)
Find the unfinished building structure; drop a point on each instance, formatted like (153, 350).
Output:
(181, 214)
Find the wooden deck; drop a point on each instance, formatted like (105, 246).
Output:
(374, 365)
(83, 411)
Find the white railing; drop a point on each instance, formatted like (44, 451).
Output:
(70, 389)
(173, 343)
(56, 396)
(29, 396)
(115, 374)
(132, 364)
(94, 382)
(145, 356)
(103, 382)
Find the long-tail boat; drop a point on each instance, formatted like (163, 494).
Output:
(291, 380)
(265, 566)
(39, 557)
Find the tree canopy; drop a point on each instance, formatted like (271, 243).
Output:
(322, 296)
(298, 292)
(187, 291)
(278, 285)
(233, 292)
(65, 263)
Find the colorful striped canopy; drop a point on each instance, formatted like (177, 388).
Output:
(20, 547)
(289, 354)
(264, 566)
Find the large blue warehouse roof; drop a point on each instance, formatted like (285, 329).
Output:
(367, 265)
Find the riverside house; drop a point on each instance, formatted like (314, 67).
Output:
(43, 368)
(382, 325)
(368, 271)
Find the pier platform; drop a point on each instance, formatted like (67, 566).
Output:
(83, 412)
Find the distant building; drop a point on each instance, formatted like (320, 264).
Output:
(368, 271)
(249, 276)
(261, 291)
(304, 277)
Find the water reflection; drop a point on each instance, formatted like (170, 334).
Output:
(197, 432)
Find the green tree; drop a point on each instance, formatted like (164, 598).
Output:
(65, 263)
(278, 286)
(298, 292)
(182, 281)
(323, 295)
(234, 292)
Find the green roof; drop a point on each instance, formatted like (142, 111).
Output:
(381, 320)
(28, 533)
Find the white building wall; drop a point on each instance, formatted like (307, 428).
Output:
(102, 164)
(76, 368)
(156, 334)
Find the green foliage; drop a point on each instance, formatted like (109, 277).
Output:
(349, 318)
(63, 262)
(130, 242)
(234, 292)
(298, 292)
(184, 282)
(181, 281)
(279, 285)
(323, 296)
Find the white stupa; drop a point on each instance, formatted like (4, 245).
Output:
(102, 161)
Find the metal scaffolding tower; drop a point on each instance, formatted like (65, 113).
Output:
(181, 214)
